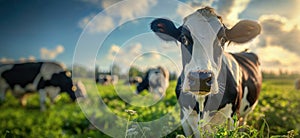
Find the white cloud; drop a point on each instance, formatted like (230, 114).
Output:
(21, 59)
(6, 60)
(106, 3)
(51, 54)
(114, 49)
(278, 31)
(132, 9)
(101, 23)
(129, 10)
(230, 10)
(276, 57)
(31, 58)
(192, 6)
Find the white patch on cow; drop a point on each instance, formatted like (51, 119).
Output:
(18, 91)
(30, 87)
(48, 69)
(52, 92)
(3, 83)
(3, 87)
(5, 68)
(233, 67)
(244, 103)
(204, 28)
(43, 96)
(190, 122)
(2, 94)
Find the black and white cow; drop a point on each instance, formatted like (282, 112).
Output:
(107, 79)
(48, 78)
(156, 81)
(214, 85)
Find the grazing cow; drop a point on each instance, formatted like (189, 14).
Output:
(214, 85)
(156, 81)
(107, 79)
(48, 78)
(297, 84)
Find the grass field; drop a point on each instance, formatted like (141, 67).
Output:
(277, 114)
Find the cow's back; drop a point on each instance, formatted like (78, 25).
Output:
(20, 74)
(27, 75)
(251, 80)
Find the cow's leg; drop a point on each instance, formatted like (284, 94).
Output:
(186, 128)
(3, 89)
(43, 96)
(190, 125)
(193, 121)
(52, 92)
(222, 117)
(2, 94)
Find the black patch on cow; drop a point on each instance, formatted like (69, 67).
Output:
(62, 81)
(144, 84)
(22, 74)
(246, 107)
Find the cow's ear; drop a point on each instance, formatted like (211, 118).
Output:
(165, 29)
(164, 71)
(243, 31)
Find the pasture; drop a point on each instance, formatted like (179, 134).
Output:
(276, 115)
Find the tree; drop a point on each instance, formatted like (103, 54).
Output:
(133, 72)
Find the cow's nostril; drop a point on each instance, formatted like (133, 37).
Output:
(200, 80)
(209, 81)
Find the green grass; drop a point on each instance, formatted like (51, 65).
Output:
(276, 115)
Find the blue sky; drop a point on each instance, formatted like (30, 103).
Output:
(28, 26)
(50, 30)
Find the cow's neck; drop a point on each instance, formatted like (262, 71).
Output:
(231, 65)
(231, 70)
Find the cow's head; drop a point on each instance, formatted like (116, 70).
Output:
(202, 38)
(64, 81)
(158, 80)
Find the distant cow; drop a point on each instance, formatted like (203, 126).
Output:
(297, 84)
(213, 85)
(107, 79)
(48, 78)
(156, 81)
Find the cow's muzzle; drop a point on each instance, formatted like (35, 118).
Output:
(200, 82)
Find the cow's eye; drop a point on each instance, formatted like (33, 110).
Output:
(184, 40)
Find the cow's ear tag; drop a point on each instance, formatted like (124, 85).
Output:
(68, 74)
(74, 88)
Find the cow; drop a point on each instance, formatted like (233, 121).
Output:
(214, 84)
(47, 78)
(107, 79)
(155, 81)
